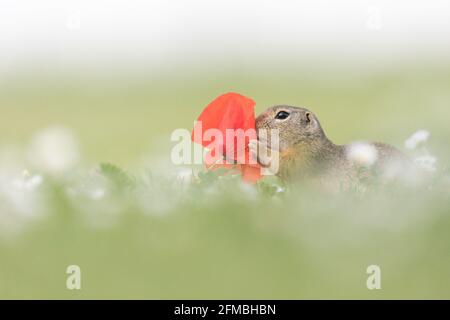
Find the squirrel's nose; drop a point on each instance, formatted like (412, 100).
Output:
(261, 119)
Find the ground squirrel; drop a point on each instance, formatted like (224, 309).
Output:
(304, 151)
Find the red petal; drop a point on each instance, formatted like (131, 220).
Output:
(251, 173)
(229, 111)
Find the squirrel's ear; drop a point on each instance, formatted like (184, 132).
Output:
(309, 117)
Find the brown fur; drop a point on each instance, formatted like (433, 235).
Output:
(306, 152)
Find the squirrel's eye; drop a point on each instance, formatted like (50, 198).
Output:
(282, 115)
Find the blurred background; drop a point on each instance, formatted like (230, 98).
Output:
(108, 81)
(128, 73)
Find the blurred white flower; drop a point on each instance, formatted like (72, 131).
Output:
(20, 201)
(417, 138)
(362, 154)
(184, 176)
(22, 193)
(97, 194)
(27, 182)
(54, 150)
(91, 186)
(427, 162)
(280, 190)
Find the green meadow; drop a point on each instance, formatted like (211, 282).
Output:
(152, 233)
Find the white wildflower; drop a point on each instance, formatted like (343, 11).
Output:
(97, 194)
(280, 190)
(28, 183)
(416, 139)
(93, 186)
(362, 154)
(184, 176)
(54, 150)
(427, 162)
(22, 193)
(20, 201)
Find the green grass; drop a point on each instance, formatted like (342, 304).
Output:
(225, 240)
(118, 119)
(153, 236)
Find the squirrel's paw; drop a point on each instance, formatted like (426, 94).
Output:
(259, 151)
(253, 149)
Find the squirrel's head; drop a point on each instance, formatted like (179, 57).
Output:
(295, 125)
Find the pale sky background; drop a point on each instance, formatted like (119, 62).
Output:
(124, 32)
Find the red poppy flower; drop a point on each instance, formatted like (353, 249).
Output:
(225, 126)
